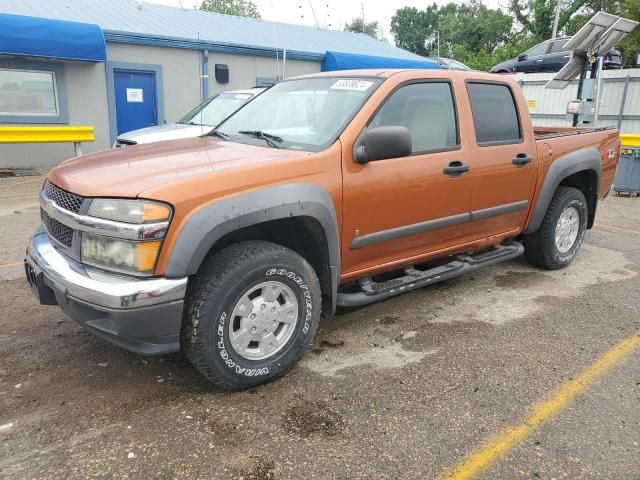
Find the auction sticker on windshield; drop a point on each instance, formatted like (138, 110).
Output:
(358, 85)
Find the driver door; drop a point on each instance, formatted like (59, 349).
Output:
(397, 209)
(534, 60)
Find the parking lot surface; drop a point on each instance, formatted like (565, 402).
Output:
(407, 388)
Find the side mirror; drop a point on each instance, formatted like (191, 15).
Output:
(389, 141)
(522, 57)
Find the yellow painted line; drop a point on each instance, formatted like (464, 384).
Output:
(510, 437)
(14, 264)
(617, 229)
(46, 134)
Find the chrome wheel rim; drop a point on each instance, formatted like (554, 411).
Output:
(567, 229)
(263, 320)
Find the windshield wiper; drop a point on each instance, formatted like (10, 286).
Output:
(190, 123)
(216, 133)
(272, 140)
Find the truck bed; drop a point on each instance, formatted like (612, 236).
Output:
(542, 133)
(555, 142)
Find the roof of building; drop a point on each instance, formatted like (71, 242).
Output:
(131, 21)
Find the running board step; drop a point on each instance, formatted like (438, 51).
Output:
(413, 278)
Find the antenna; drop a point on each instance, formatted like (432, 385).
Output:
(284, 63)
(204, 94)
(275, 34)
(314, 14)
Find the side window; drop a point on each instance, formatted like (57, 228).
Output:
(540, 49)
(495, 117)
(427, 110)
(558, 46)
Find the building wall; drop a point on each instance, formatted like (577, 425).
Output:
(86, 93)
(244, 70)
(88, 103)
(180, 73)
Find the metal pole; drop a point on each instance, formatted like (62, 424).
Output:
(438, 46)
(598, 90)
(78, 148)
(555, 20)
(583, 75)
(624, 99)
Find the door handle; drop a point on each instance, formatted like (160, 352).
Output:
(521, 160)
(539, 60)
(455, 168)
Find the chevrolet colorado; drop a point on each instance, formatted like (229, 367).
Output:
(334, 189)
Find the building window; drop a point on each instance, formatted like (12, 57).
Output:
(32, 93)
(28, 92)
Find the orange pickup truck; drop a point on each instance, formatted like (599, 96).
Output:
(334, 189)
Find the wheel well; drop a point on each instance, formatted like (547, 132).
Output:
(304, 235)
(587, 182)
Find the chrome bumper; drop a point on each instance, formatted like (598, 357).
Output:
(95, 287)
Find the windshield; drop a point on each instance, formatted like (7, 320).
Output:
(306, 114)
(216, 110)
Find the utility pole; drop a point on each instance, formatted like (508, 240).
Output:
(438, 32)
(362, 8)
(554, 34)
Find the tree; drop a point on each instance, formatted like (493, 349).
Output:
(412, 28)
(468, 32)
(536, 16)
(241, 8)
(371, 29)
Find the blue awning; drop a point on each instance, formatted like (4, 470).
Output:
(55, 39)
(351, 61)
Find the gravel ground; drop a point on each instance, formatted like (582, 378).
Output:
(401, 389)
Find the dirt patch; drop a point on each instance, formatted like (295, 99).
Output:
(262, 469)
(520, 279)
(388, 320)
(327, 343)
(311, 417)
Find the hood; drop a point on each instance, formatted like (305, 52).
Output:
(126, 172)
(168, 131)
(506, 65)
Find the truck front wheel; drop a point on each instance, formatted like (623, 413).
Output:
(251, 313)
(558, 240)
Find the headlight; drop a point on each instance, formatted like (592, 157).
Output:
(124, 256)
(129, 211)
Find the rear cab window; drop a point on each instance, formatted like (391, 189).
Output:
(495, 114)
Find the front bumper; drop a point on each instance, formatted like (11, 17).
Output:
(140, 315)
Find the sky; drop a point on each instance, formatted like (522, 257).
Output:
(330, 13)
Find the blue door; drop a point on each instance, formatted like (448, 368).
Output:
(136, 103)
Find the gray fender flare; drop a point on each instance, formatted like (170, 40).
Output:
(581, 160)
(210, 223)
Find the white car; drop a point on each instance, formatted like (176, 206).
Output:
(199, 121)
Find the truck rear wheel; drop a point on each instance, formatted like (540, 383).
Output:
(558, 240)
(251, 313)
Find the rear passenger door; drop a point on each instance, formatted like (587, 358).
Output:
(504, 167)
(558, 56)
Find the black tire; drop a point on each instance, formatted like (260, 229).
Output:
(216, 289)
(540, 246)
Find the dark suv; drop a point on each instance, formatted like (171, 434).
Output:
(550, 56)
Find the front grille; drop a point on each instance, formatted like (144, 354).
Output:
(63, 199)
(56, 230)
